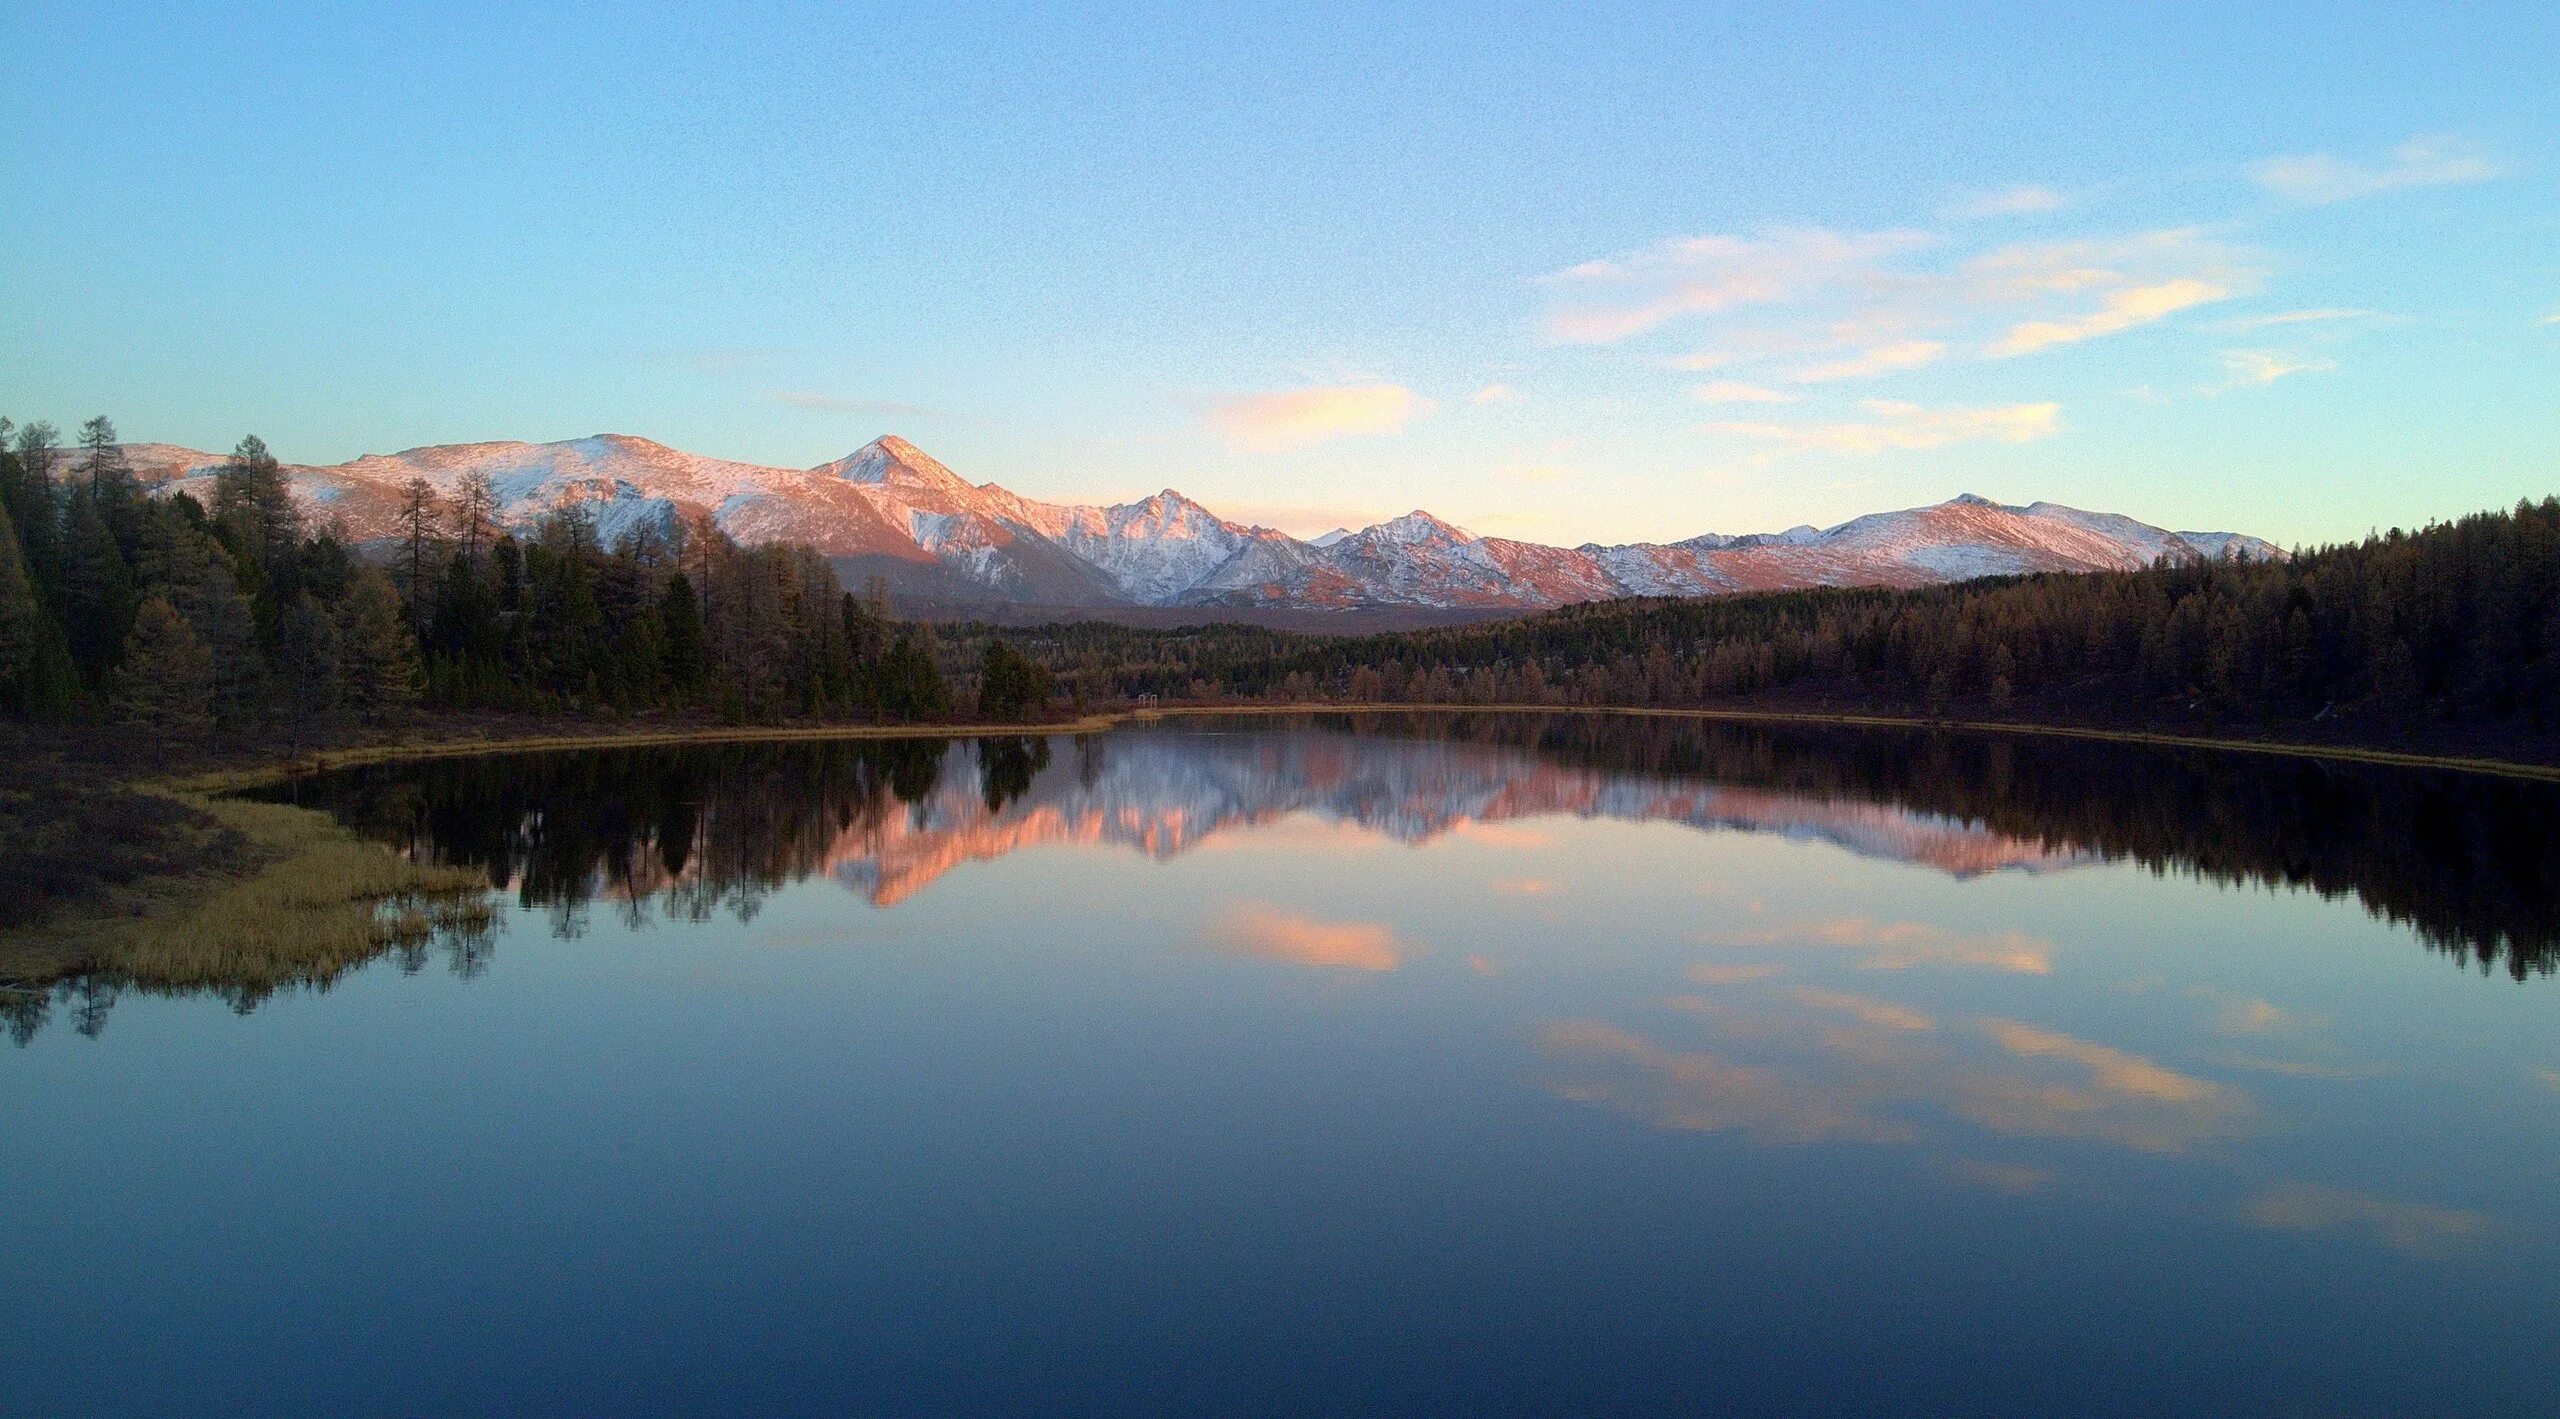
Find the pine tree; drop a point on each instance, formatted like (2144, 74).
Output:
(22, 619)
(307, 662)
(166, 680)
(184, 565)
(911, 685)
(377, 654)
(417, 533)
(108, 481)
(1011, 689)
(687, 654)
(253, 507)
(97, 591)
(35, 506)
(475, 515)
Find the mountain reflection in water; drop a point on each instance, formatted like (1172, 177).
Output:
(1336, 1064)
(2471, 863)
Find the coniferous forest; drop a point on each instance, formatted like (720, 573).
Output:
(120, 606)
(2455, 626)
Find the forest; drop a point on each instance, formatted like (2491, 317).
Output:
(2455, 625)
(120, 606)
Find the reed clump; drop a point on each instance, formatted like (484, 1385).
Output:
(318, 903)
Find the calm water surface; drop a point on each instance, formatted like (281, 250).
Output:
(1465, 1065)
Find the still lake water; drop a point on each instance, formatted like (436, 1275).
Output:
(1466, 1065)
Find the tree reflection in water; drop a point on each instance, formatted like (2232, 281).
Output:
(2471, 863)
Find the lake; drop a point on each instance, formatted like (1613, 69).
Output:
(1355, 1064)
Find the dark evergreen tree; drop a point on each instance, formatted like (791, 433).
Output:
(166, 679)
(377, 654)
(688, 654)
(911, 685)
(97, 601)
(1011, 689)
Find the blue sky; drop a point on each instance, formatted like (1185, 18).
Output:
(1577, 273)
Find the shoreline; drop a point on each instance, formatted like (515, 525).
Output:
(234, 780)
(239, 846)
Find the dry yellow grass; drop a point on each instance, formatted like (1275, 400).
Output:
(323, 902)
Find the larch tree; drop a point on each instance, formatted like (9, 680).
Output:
(377, 652)
(166, 680)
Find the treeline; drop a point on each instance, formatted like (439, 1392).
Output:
(120, 606)
(2457, 624)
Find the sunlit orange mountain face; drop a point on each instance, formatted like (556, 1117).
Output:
(890, 510)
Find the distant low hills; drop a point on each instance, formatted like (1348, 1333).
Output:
(889, 509)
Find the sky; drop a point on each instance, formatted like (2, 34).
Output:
(1575, 273)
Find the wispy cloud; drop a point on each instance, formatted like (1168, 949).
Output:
(1716, 973)
(1883, 359)
(845, 404)
(2110, 1069)
(1266, 932)
(1884, 1014)
(1735, 391)
(1621, 296)
(2317, 316)
(2008, 202)
(1704, 1093)
(2411, 1227)
(1495, 394)
(2419, 162)
(1294, 418)
(1892, 424)
(1899, 945)
(2121, 310)
(2250, 369)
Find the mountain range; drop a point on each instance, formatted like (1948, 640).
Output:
(890, 510)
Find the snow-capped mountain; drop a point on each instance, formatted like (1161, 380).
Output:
(889, 509)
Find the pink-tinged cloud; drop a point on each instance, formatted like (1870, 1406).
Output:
(1294, 418)
(1265, 932)
(2411, 1227)
(2110, 1069)
(1896, 425)
(1619, 1069)
(1884, 1014)
(1716, 973)
(1901, 945)
(2122, 310)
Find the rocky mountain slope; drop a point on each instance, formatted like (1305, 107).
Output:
(889, 509)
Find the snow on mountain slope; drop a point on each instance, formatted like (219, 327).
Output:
(890, 509)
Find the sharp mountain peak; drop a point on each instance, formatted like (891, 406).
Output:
(891, 509)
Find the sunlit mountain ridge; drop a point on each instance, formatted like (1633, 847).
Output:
(890, 510)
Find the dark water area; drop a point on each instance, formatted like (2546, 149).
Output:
(1349, 1064)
